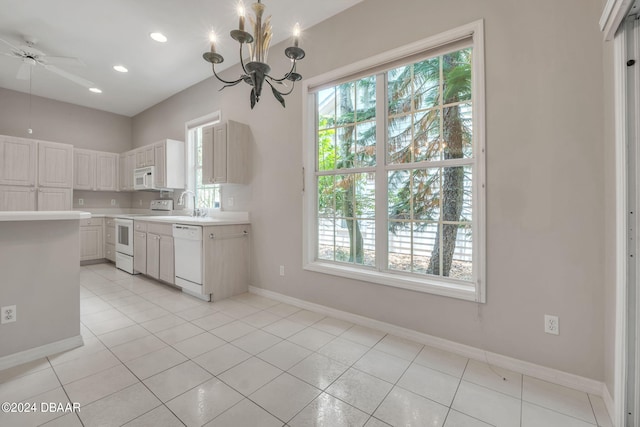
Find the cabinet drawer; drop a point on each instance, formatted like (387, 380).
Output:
(91, 221)
(110, 252)
(160, 228)
(110, 222)
(140, 226)
(110, 235)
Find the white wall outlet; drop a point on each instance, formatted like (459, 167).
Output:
(113, 202)
(140, 202)
(282, 270)
(551, 324)
(8, 314)
(230, 201)
(80, 202)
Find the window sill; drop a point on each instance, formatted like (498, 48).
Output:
(426, 285)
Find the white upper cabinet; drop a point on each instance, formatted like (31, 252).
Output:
(54, 199)
(17, 161)
(84, 169)
(55, 165)
(169, 167)
(225, 153)
(127, 165)
(145, 156)
(17, 198)
(106, 171)
(95, 170)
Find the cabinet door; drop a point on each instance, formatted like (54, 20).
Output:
(91, 246)
(220, 153)
(17, 198)
(207, 155)
(149, 156)
(167, 262)
(226, 270)
(140, 252)
(122, 162)
(84, 170)
(214, 154)
(110, 252)
(140, 158)
(160, 163)
(55, 165)
(17, 161)
(131, 165)
(153, 255)
(54, 199)
(107, 172)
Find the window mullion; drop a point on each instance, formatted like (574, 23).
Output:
(381, 213)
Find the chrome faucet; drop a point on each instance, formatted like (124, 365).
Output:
(181, 201)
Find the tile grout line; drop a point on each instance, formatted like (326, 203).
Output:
(466, 365)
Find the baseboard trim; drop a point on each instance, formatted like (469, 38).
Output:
(527, 368)
(35, 353)
(608, 401)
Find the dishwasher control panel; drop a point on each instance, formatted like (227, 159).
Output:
(189, 232)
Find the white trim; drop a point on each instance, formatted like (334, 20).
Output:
(555, 376)
(419, 284)
(612, 16)
(620, 111)
(608, 401)
(471, 291)
(35, 353)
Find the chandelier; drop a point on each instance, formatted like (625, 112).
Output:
(256, 71)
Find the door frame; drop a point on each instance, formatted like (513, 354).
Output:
(612, 23)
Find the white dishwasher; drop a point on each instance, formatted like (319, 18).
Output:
(187, 241)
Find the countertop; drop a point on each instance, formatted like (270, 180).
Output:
(192, 220)
(43, 215)
(222, 218)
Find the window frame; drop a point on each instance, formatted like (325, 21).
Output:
(190, 152)
(375, 65)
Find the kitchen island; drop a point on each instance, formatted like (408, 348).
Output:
(39, 254)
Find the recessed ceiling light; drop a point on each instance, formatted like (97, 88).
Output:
(159, 37)
(95, 90)
(120, 68)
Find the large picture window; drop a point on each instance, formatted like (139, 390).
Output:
(396, 194)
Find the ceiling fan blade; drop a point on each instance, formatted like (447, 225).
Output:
(62, 60)
(9, 44)
(76, 79)
(23, 71)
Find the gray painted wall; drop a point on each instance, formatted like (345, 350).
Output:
(545, 168)
(62, 122)
(79, 126)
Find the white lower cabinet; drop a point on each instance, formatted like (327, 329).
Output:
(110, 239)
(226, 260)
(91, 239)
(140, 251)
(160, 260)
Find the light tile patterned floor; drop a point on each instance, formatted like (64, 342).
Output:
(155, 357)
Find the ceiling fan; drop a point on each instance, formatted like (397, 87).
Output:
(30, 57)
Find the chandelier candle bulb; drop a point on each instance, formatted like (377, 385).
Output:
(212, 39)
(241, 16)
(296, 34)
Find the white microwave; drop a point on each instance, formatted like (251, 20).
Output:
(143, 178)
